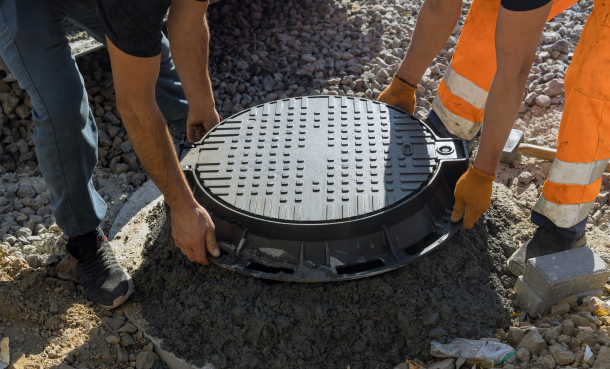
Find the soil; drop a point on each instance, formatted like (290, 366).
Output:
(54, 327)
(234, 321)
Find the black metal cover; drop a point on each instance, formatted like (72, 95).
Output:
(325, 188)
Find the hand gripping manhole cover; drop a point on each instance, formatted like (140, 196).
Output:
(325, 188)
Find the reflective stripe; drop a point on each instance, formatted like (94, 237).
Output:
(566, 194)
(455, 124)
(563, 216)
(457, 105)
(465, 89)
(577, 173)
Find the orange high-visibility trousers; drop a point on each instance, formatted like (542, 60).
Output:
(583, 143)
(462, 92)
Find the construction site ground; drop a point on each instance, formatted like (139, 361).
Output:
(261, 51)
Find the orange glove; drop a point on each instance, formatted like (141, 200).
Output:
(472, 196)
(400, 94)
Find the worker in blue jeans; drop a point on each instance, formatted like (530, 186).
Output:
(34, 46)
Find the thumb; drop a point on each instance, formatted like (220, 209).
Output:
(458, 209)
(210, 242)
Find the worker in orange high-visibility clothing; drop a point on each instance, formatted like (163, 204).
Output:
(574, 181)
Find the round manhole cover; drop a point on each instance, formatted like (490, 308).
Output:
(325, 187)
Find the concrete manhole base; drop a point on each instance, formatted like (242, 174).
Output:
(209, 317)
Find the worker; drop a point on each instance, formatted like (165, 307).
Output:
(149, 95)
(472, 85)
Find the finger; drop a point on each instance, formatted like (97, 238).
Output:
(198, 135)
(470, 217)
(190, 135)
(458, 210)
(189, 253)
(200, 255)
(210, 242)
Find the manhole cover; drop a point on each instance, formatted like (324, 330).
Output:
(325, 188)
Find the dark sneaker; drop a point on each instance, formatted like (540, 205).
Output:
(544, 242)
(102, 278)
(439, 128)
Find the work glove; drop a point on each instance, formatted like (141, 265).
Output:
(400, 94)
(472, 196)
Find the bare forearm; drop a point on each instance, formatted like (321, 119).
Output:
(151, 140)
(501, 110)
(189, 40)
(435, 22)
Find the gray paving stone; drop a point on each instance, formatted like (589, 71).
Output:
(535, 305)
(566, 273)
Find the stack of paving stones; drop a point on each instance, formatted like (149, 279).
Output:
(551, 278)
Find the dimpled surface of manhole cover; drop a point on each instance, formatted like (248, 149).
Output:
(324, 188)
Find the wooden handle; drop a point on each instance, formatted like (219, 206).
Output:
(543, 153)
(538, 152)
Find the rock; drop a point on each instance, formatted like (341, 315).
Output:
(113, 340)
(514, 336)
(128, 328)
(543, 101)
(33, 261)
(603, 358)
(549, 362)
(529, 99)
(9, 102)
(525, 177)
(554, 88)
(18, 361)
(65, 366)
(48, 259)
(126, 146)
(560, 309)
(587, 337)
(122, 357)
(596, 306)
(146, 360)
(580, 321)
(561, 356)
(127, 341)
(532, 342)
(568, 328)
(523, 355)
(23, 232)
(54, 309)
(445, 364)
(114, 323)
(52, 322)
(67, 277)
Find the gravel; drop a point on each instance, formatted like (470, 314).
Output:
(262, 51)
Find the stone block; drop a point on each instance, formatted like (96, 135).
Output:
(514, 336)
(572, 272)
(534, 304)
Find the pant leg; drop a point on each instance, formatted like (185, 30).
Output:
(462, 92)
(168, 92)
(584, 135)
(34, 46)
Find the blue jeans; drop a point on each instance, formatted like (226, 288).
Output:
(34, 46)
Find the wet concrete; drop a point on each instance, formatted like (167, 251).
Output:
(209, 315)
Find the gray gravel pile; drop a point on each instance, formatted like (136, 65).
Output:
(235, 321)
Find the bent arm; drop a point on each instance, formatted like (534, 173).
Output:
(134, 81)
(189, 42)
(517, 36)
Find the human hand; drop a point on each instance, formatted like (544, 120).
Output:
(198, 124)
(400, 94)
(472, 196)
(194, 233)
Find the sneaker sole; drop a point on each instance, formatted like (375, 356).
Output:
(517, 269)
(120, 300)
